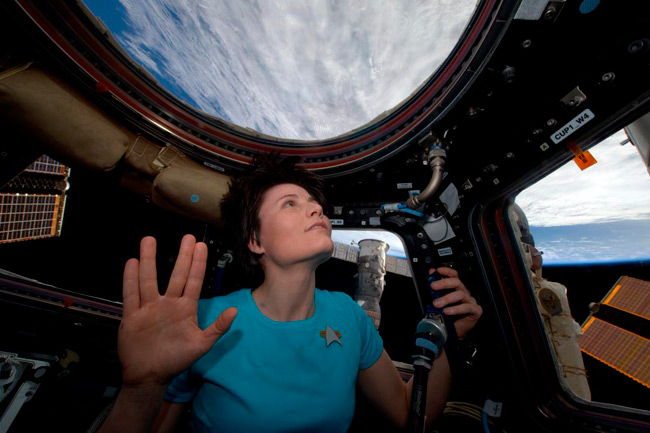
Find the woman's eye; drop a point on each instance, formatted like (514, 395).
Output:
(289, 203)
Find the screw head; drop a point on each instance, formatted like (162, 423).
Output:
(550, 12)
(607, 77)
(636, 46)
(575, 101)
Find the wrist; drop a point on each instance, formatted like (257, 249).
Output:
(143, 391)
(135, 380)
(135, 409)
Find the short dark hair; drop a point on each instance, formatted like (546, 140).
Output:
(240, 207)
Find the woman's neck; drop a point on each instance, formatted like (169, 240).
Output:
(287, 294)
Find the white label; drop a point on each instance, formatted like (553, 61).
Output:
(335, 222)
(404, 185)
(445, 252)
(492, 408)
(216, 167)
(572, 126)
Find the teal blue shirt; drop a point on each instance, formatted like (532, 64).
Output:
(268, 376)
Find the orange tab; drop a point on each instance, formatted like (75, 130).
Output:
(583, 159)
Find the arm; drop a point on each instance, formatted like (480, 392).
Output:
(159, 335)
(381, 382)
(383, 385)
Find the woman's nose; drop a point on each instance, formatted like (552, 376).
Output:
(315, 208)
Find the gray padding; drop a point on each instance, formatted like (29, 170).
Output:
(191, 190)
(531, 10)
(45, 111)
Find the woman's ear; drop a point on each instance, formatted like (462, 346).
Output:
(254, 246)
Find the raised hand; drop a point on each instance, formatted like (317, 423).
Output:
(460, 301)
(159, 336)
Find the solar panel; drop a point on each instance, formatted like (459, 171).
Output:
(30, 216)
(622, 350)
(631, 295)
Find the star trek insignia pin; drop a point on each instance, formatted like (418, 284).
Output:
(331, 335)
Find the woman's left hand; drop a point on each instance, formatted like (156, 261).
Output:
(459, 303)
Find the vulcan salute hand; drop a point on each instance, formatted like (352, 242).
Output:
(458, 303)
(159, 336)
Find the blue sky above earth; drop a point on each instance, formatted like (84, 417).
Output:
(304, 70)
(599, 215)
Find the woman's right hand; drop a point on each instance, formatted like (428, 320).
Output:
(159, 335)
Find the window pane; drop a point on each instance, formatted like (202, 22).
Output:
(297, 70)
(586, 237)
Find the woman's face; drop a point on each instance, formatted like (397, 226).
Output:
(293, 228)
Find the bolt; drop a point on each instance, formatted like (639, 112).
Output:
(420, 235)
(527, 43)
(423, 246)
(508, 74)
(575, 101)
(510, 155)
(609, 76)
(537, 131)
(550, 12)
(636, 46)
(551, 122)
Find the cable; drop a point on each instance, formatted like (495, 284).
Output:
(470, 410)
(484, 418)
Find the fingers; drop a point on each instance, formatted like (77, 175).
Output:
(221, 325)
(182, 267)
(449, 283)
(147, 277)
(130, 288)
(447, 272)
(466, 309)
(197, 271)
(466, 304)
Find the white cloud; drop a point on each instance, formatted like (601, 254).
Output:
(615, 189)
(304, 70)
